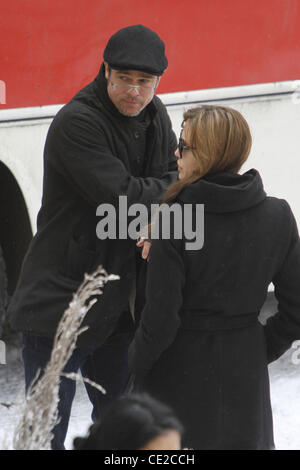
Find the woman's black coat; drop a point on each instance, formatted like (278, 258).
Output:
(200, 347)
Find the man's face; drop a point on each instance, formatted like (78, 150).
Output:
(128, 100)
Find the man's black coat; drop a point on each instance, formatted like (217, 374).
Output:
(89, 159)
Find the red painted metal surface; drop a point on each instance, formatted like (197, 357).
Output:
(49, 49)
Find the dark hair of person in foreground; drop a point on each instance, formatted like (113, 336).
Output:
(135, 421)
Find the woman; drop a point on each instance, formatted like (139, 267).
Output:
(134, 422)
(199, 346)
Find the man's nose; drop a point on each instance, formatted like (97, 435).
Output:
(176, 153)
(133, 91)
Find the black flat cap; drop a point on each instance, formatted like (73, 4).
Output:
(136, 48)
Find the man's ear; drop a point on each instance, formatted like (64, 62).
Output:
(106, 70)
(157, 83)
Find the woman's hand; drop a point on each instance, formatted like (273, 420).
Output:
(146, 245)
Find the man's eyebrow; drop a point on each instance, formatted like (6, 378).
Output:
(142, 74)
(146, 75)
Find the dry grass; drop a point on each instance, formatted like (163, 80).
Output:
(35, 428)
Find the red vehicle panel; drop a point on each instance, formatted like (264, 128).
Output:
(50, 49)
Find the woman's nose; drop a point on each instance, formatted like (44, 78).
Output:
(177, 154)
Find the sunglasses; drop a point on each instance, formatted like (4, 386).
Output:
(182, 146)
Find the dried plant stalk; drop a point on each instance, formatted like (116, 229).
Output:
(74, 376)
(35, 429)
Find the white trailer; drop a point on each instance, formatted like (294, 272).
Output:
(272, 111)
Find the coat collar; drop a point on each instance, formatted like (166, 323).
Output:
(225, 191)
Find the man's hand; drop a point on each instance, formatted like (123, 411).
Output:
(146, 245)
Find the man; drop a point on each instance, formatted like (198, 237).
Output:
(113, 138)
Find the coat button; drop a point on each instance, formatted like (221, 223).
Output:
(137, 135)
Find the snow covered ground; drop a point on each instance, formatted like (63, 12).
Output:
(285, 395)
(12, 398)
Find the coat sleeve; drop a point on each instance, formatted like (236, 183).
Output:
(79, 149)
(282, 329)
(164, 297)
(172, 160)
(172, 142)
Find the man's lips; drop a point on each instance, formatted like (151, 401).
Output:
(131, 103)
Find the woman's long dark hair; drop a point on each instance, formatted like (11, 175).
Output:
(222, 141)
(130, 423)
